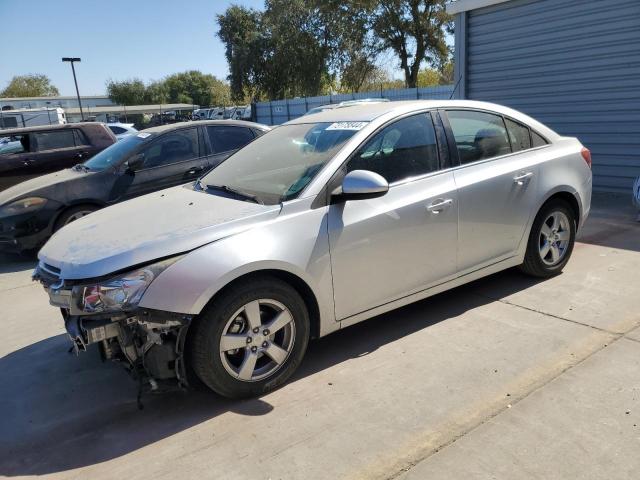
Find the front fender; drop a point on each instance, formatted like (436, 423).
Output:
(298, 246)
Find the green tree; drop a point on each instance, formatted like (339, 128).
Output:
(187, 87)
(196, 87)
(127, 92)
(156, 93)
(31, 85)
(296, 47)
(241, 31)
(415, 30)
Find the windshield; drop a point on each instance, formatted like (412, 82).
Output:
(278, 165)
(114, 154)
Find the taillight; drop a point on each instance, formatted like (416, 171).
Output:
(586, 154)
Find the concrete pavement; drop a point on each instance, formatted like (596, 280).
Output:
(507, 377)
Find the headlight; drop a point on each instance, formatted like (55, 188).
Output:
(30, 204)
(120, 293)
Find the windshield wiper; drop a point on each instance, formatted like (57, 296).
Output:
(238, 193)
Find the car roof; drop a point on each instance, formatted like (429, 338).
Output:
(239, 123)
(37, 128)
(367, 112)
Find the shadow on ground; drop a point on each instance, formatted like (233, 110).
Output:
(69, 412)
(10, 263)
(612, 223)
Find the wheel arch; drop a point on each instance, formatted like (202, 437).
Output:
(75, 204)
(563, 192)
(300, 285)
(570, 196)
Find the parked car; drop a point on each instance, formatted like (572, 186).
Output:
(35, 151)
(122, 130)
(323, 222)
(347, 103)
(150, 160)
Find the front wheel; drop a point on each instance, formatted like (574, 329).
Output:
(251, 339)
(551, 240)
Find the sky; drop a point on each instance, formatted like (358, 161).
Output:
(117, 39)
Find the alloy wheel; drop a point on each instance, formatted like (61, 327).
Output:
(257, 340)
(555, 235)
(77, 215)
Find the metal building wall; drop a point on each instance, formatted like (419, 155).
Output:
(572, 64)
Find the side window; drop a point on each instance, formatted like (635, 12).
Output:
(537, 140)
(226, 138)
(54, 140)
(519, 135)
(8, 122)
(80, 138)
(478, 135)
(14, 144)
(172, 148)
(404, 149)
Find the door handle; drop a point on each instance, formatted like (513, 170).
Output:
(439, 205)
(520, 179)
(194, 170)
(27, 162)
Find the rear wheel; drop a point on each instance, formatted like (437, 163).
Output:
(72, 214)
(251, 339)
(551, 240)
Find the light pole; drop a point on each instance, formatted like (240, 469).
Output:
(71, 60)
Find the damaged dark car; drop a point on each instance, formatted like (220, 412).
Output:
(156, 158)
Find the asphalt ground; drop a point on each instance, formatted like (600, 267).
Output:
(507, 377)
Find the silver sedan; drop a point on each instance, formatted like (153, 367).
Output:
(325, 221)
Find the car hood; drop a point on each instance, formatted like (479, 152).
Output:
(161, 224)
(35, 185)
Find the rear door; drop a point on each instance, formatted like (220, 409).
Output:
(16, 161)
(496, 186)
(55, 150)
(171, 159)
(224, 140)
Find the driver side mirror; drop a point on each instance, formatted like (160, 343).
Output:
(360, 185)
(135, 162)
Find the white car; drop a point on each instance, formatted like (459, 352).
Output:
(122, 130)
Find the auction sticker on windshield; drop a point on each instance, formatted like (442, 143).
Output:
(144, 135)
(347, 126)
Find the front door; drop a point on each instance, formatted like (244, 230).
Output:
(389, 247)
(171, 159)
(496, 184)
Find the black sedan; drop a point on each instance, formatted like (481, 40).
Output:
(153, 159)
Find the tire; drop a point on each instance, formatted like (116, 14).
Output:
(251, 367)
(555, 218)
(72, 214)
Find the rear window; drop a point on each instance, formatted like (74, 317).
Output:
(519, 135)
(54, 140)
(537, 140)
(117, 130)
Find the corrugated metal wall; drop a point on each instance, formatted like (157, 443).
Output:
(572, 64)
(280, 111)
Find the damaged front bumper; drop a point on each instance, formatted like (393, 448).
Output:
(149, 343)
